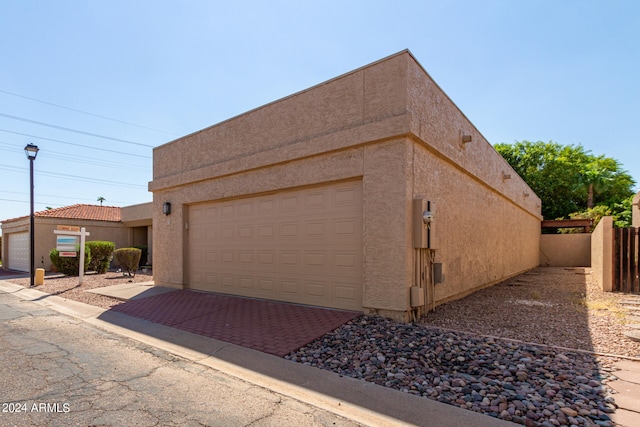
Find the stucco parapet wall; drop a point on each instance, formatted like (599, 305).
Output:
(389, 128)
(344, 102)
(441, 127)
(139, 214)
(391, 98)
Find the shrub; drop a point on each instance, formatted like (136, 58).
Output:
(128, 259)
(70, 266)
(143, 256)
(101, 255)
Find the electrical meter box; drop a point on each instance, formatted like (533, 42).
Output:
(424, 235)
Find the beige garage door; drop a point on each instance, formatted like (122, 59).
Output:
(18, 252)
(302, 246)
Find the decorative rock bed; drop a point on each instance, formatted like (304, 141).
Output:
(523, 383)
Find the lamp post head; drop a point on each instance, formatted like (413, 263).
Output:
(31, 151)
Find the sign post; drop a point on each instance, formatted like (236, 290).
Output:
(67, 241)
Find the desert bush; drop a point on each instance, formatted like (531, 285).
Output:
(128, 259)
(70, 266)
(101, 255)
(143, 256)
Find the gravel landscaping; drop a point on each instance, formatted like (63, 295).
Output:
(526, 384)
(535, 350)
(510, 351)
(68, 287)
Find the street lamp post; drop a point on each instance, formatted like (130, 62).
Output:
(31, 151)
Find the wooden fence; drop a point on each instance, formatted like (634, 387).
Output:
(625, 260)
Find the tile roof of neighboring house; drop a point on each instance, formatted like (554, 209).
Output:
(81, 211)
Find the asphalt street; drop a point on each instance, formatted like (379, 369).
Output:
(56, 370)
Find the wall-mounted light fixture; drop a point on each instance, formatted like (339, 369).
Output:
(506, 176)
(466, 139)
(166, 208)
(525, 194)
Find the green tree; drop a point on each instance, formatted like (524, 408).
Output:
(596, 213)
(567, 178)
(101, 199)
(623, 216)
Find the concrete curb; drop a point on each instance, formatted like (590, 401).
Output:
(363, 402)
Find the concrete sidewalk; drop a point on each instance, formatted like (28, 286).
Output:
(365, 403)
(627, 397)
(12, 274)
(632, 306)
(131, 291)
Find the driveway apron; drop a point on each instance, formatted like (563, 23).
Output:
(271, 327)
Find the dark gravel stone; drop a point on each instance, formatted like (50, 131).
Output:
(522, 383)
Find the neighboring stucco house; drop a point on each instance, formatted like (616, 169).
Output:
(310, 199)
(127, 226)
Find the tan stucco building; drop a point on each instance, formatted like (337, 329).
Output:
(310, 199)
(125, 226)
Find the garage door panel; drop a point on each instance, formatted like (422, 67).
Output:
(211, 212)
(227, 233)
(316, 199)
(246, 233)
(290, 230)
(290, 203)
(212, 257)
(289, 289)
(266, 206)
(344, 292)
(347, 228)
(227, 211)
(266, 259)
(266, 232)
(246, 258)
(346, 260)
(226, 259)
(227, 282)
(266, 285)
(198, 277)
(302, 246)
(346, 196)
(246, 209)
(315, 259)
(246, 282)
(315, 230)
(212, 278)
(318, 289)
(209, 234)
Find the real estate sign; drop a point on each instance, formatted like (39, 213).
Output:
(67, 246)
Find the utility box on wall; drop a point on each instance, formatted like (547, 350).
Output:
(417, 296)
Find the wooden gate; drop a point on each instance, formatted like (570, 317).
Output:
(625, 260)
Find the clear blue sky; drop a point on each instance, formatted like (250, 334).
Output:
(545, 70)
